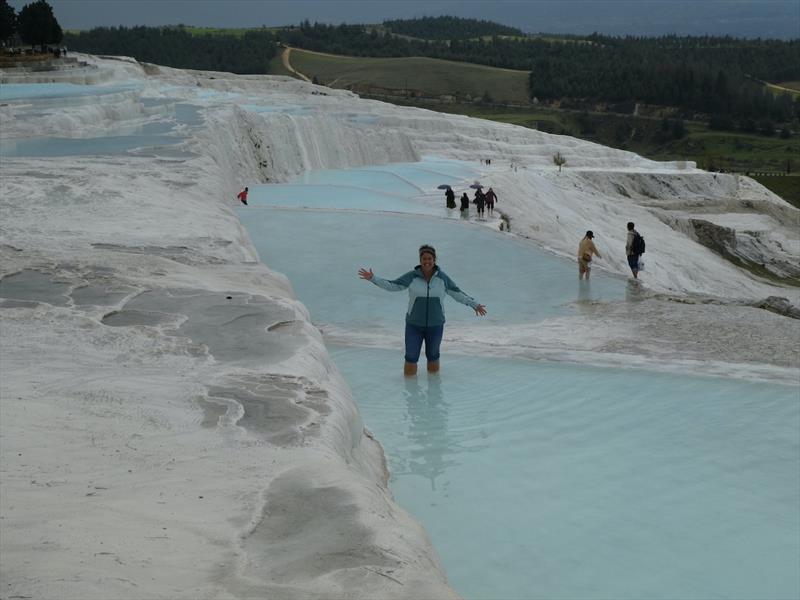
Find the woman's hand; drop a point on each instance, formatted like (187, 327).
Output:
(480, 310)
(364, 274)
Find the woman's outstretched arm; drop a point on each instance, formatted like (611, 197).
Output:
(456, 294)
(393, 285)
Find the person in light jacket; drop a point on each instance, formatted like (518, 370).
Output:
(427, 286)
(586, 249)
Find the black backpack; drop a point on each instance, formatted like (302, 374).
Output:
(637, 246)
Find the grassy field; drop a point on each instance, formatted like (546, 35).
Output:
(276, 65)
(735, 151)
(789, 85)
(426, 76)
(785, 186)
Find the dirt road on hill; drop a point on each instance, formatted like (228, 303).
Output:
(285, 58)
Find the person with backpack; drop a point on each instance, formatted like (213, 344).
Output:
(634, 248)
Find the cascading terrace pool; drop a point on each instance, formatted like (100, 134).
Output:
(142, 124)
(536, 479)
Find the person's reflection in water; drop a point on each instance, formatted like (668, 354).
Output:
(427, 429)
(634, 291)
(584, 302)
(584, 291)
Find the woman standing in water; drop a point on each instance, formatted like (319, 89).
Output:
(427, 285)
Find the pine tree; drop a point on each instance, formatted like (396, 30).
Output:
(8, 20)
(37, 24)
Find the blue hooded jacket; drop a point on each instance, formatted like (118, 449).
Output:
(425, 298)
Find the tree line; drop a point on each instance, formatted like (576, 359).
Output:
(449, 28)
(177, 47)
(713, 76)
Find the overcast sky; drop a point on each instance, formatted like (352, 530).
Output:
(741, 18)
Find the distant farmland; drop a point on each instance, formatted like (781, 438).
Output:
(429, 77)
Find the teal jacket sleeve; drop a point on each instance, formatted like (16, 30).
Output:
(455, 292)
(394, 285)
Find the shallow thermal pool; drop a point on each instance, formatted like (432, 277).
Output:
(321, 251)
(140, 122)
(541, 480)
(103, 145)
(405, 188)
(61, 91)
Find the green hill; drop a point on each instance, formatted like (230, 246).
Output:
(413, 76)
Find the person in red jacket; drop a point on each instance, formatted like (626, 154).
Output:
(243, 196)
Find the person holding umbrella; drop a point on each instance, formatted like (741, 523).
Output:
(427, 286)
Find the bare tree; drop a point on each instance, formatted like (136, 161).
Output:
(559, 160)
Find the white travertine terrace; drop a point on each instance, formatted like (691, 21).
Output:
(136, 461)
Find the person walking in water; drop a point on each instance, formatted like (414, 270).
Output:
(491, 198)
(450, 196)
(586, 248)
(427, 286)
(480, 202)
(464, 204)
(243, 196)
(634, 248)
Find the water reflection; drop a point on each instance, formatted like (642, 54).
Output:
(427, 416)
(584, 291)
(587, 303)
(634, 291)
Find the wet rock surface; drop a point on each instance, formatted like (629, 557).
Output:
(35, 286)
(780, 306)
(235, 327)
(284, 410)
(319, 522)
(749, 250)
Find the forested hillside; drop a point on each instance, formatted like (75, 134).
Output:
(714, 76)
(177, 47)
(449, 28)
(719, 77)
